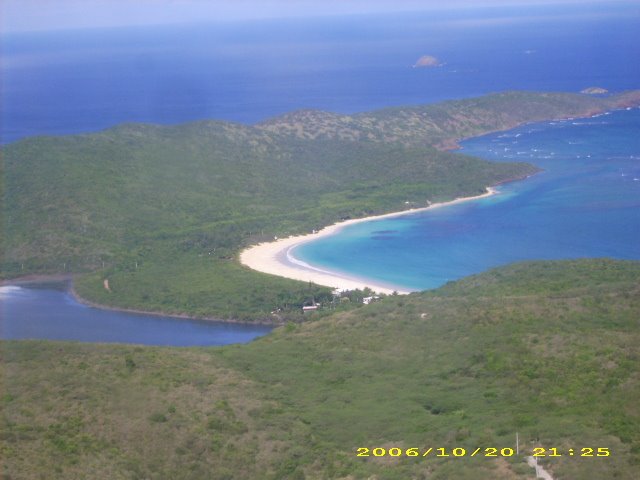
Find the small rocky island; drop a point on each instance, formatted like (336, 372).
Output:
(594, 91)
(427, 61)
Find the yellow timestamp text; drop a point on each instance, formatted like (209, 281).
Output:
(577, 452)
(459, 452)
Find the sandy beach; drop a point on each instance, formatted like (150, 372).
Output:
(275, 257)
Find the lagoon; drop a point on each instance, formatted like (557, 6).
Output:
(50, 312)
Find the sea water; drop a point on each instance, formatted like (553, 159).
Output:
(585, 203)
(62, 82)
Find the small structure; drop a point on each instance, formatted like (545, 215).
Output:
(309, 308)
(368, 300)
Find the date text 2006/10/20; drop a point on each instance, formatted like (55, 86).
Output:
(459, 452)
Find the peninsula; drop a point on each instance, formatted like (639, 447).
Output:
(163, 212)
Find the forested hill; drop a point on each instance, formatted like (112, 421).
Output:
(546, 349)
(442, 124)
(162, 211)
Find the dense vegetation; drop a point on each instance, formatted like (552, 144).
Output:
(443, 123)
(163, 211)
(546, 349)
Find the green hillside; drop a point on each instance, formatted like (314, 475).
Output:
(443, 123)
(545, 349)
(162, 212)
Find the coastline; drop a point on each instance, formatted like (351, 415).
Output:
(182, 316)
(307, 273)
(275, 257)
(68, 279)
(37, 278)
(453, 144)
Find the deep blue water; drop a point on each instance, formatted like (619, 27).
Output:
(53, 314)
(586, 203)
(86, 80)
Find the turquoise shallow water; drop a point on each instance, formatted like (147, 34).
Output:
(586, 203)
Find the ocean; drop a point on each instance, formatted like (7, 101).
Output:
(586, 203)
(63, 82)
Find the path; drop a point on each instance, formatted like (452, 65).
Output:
(540, 471)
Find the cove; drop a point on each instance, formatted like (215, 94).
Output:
(584, 204)
(49, 312)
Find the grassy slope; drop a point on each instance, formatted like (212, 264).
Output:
(548, 349)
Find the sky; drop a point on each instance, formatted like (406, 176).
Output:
(43, 15)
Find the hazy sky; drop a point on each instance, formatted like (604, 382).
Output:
(25, 15)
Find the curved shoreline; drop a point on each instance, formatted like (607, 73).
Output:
(306, 272)
(453, 144)
(68, 278)
(182, 316)
(276, 258)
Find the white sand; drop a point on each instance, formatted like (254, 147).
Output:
(275, 258)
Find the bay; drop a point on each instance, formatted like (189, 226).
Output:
(586, 203)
